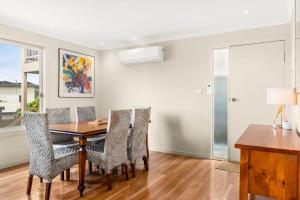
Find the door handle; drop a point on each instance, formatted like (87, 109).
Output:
(234, 99)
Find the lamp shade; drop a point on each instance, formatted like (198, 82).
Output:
(281, 96)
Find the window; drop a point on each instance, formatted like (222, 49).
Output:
(31, 55)
(19, 82)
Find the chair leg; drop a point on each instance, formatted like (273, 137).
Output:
(68, 174)
(103, 171)
(62, 176)
(98, 167)
(90, 167)
(29, 184)
(109, 180)
(146, 163)
(126, 171)
(47, 192)
(123, 169)
(41, 180)
(147, 146)
(132, 169)
(115, 170)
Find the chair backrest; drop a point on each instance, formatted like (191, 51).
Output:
(40, 143)
(85, 114)
(139, 132)
(59, 116)
(116, 138)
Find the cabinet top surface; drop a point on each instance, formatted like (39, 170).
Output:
(266, 138)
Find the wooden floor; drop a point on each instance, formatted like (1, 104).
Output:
(170, 177)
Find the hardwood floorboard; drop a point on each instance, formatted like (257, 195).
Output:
(170, 176)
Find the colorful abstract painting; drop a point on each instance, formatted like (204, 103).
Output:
(76, 74)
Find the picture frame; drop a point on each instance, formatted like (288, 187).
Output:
(76, 74)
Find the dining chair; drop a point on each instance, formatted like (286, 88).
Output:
(88, 113)
(137, 147)
(61, 116)
(114, 152)
(45, 162)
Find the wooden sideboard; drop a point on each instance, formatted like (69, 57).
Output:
(270, 163)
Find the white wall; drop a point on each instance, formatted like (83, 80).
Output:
(294, 111)
(293, 46)
(181, 119)
(10, 139)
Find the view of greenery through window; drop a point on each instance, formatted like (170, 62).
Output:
(14, 60)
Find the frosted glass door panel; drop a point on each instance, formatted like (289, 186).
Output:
(220, 140)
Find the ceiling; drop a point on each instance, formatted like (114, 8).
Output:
(105, 24)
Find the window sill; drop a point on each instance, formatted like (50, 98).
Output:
(12, 131)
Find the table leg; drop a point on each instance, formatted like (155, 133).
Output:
(82, 161)
(244, 167)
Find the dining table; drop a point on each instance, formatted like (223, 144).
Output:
(80, 130)
(83, 130)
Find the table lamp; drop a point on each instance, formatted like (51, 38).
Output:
(281, 97)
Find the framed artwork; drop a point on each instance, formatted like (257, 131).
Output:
(76, 74)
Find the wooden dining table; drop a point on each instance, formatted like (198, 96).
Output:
(81, 130)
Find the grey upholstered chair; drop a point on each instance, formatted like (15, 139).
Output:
(137, 147)
(114, 152)
(84, 114)
(61, 116)
(45, 162)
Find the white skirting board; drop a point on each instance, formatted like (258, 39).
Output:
(183, 153)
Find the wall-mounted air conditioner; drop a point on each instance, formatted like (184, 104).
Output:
(141, 55)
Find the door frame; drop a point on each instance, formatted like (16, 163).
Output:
(229, 45)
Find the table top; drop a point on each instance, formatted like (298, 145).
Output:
(266, 138)
(78, 128)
